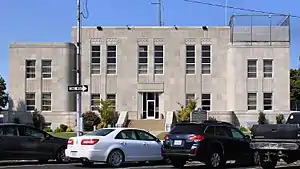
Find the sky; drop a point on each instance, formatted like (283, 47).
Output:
(51, 20)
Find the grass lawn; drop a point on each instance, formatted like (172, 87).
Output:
(63, 134)
(161, 135)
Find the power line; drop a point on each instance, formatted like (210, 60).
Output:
(242, 9)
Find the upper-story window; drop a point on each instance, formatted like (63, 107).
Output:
(206, 102)
(30, 69)
(268, 101)
(95, 101)
(268, 68)
(46, 101)
(206, 59)
(158, 59)
(252, 68)
(190, 59)
(30, 101)
(143, 60)
(111, 59)
(189, 97)
(95, 59)
(112, 98)
(46, 69)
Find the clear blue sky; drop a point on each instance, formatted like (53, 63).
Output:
(51, 20)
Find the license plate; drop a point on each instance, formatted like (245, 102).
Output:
(177, 142)
(73, 153)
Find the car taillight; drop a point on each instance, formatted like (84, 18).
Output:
(71, 141)
(89, 141)
(166, 137)
(196, 137)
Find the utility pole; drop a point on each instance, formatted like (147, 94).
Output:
(78, 71)
(160, 8)
(226, 12)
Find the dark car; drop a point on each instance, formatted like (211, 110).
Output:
(24, 142)
(210, 142)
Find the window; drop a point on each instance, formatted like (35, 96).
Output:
(145, 136)
(143, 60)
(222, 131)
(205, 100)
(100, 132)
(206, 59)
(252, 101)
(190, 59)
(127, 134)
(189, 97)
(111, 59)
(189, 128)
(95, 101)
(112, 98)
(46, 69)
(252, 68)
(8, 131)
(26, 131)
(30, 101)
(268, 68)
(95, 59)
(267, 101)
(210, 131)
(236, 134)
(30, 69)
(159, 59)
(46, 101)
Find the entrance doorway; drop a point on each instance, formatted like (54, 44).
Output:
(150, 105)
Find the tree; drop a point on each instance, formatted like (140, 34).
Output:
(3, 94)
(280, 119)
(295, 85)
(38, 119)
(90, 119)
(106, 112)
(184, 113)
(262, 118)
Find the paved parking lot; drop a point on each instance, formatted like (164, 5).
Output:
(34, 165)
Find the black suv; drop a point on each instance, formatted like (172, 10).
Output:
(210, 142)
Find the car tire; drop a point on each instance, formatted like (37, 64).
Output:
(215, 159)
(178, 163)
(61, 156)
(115, 158)
(255, 158)
(271, 164)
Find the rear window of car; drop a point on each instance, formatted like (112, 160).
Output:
(101, 132)
(187, 129)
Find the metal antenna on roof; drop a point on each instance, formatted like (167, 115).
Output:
(160, 9)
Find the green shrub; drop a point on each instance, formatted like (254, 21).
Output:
(90, 119)
(280, 119)
(57, 130)
(47, 129)
(244, 129)
(69, 129)
(262, 118)
(63, 127)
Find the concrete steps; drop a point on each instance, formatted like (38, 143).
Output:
(149, 125)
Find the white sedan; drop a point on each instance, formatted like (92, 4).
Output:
(115, 146)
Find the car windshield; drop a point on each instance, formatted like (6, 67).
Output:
(187, 129)
(101, 132)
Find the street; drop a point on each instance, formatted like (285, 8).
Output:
(34, 165)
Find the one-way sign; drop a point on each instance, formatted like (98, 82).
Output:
(78, 88)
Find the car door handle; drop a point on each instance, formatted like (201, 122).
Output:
(123, 143)
(145, 144)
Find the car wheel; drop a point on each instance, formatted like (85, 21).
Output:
(115, 158)
(215, 159)
(255, 158)
(270, 164)
(87, 163)
(178, 163)
(61, 156)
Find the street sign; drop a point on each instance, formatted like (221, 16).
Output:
(78, 88)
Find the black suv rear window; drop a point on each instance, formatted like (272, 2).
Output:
(187, 129)
(101, 132)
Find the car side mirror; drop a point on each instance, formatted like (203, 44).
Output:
(158, 140)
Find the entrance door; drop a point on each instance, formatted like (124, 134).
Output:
(150, 109)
